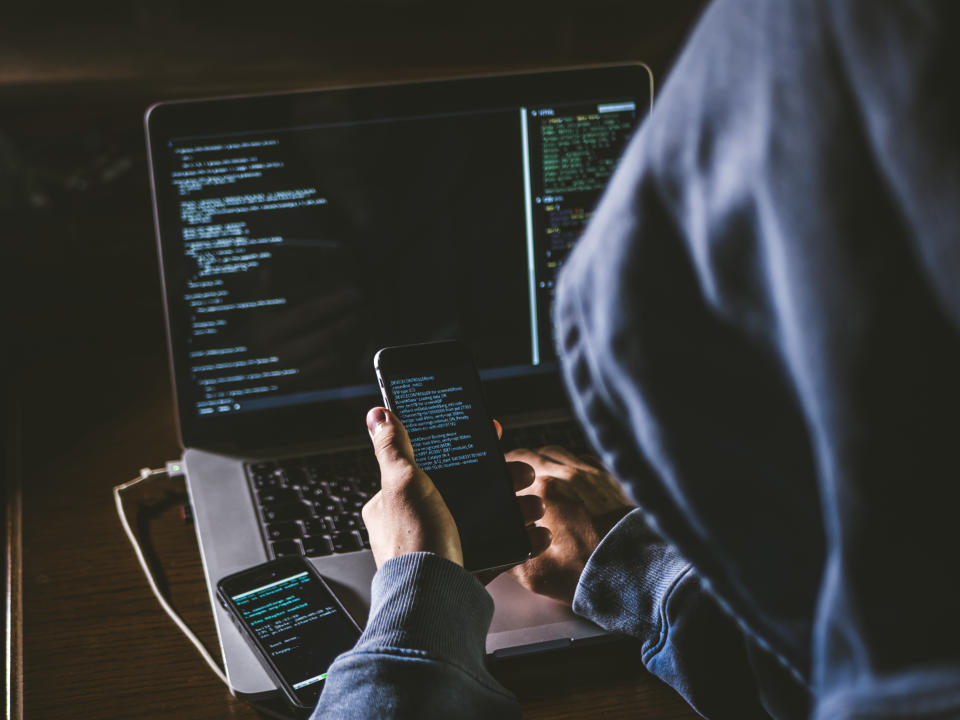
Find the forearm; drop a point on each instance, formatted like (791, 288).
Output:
(421, 654)
(637, 584)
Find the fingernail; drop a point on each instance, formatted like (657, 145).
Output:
(376, 419)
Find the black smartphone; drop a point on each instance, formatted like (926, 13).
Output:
(435, 390)
(293, 622)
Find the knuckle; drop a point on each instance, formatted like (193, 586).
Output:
(541, 482)
(539, 489)
(549, 486)
(537, 584)
(403, 474)
(581, 479)
(385, 449)
(370, 507)
(383, 439)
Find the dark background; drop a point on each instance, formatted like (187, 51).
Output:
(75, 81)
(85, 393)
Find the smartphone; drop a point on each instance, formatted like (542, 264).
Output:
(294, 623)
(435, 390)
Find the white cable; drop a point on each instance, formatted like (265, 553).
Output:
(146, 473)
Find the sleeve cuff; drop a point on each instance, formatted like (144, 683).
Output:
(628, 579)
(427, 604)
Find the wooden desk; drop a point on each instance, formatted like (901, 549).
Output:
(88, 387)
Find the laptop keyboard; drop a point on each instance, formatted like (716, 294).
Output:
(311, 505)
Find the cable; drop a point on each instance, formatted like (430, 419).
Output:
(145, 474)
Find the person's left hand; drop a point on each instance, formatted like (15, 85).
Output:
(582, 501)
(408, 514)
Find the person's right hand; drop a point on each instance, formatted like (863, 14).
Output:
(581, 501)
(409, 515)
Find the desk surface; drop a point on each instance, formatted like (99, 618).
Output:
(92, 404)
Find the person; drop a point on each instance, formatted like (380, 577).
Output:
(759, 332)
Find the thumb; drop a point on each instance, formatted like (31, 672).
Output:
(391, 446)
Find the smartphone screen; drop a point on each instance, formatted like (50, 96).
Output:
(435, 391)
(293, 622)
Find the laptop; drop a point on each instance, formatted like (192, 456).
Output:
(300, 232)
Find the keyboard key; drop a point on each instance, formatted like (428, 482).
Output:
(315, 492)
(263, 470)
(277, 496)
(343, 487)
(266, 482)
(294, 475)
(317, 545)
(283, 530)
(317, 526)
(345, 522)
(347, 542)
(290, 511)
(355, 495)
(284, 548)
(328, 507)
(369, 486)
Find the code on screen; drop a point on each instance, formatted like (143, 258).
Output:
(437, 418)
(298, 625)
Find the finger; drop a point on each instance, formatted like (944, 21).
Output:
(563, 456)
(540, 539)
(523, 475)
(391, 446)
(499, 428)
(544, 466)
(593, 461)
(531, 506)
(540, 463)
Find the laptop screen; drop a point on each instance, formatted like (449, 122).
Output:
(299, 233)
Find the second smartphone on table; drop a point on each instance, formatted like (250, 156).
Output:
(292, 621)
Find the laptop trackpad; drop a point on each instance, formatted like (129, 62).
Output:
(349, 577)
(521, 618)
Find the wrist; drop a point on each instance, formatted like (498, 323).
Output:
(423, 602)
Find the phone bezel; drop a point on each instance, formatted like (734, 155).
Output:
(397, 361)
(261, 575)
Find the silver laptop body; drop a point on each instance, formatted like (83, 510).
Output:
(241, 224)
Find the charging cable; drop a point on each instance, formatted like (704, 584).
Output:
(172, 470)
(146, 474)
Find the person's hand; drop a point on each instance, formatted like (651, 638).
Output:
(582, 501)
(408, 514)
